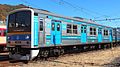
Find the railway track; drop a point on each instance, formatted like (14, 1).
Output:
(4, 60)
(110, 54)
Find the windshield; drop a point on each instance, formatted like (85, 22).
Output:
(19, 21)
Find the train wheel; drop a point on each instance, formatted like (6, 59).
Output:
(95, 47)
(62, 51)
(25, 62)
(45, 53)
(57, 52)
(1, 48)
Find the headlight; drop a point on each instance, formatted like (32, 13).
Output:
(27, 37)
(8, 37)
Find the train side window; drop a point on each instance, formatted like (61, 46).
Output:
(92, 31)
(41, 25)
(85, 30)
(53, 26)
(81, 29)
(69, 28)
(105, 32)
(74, 29)
(36, 14)
(58, 27)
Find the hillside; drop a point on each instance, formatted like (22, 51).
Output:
(5, 9)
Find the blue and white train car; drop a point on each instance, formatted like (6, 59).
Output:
(116, 34)
(33, 32)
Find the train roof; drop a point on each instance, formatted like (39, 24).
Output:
(41, 11)
(71, 18)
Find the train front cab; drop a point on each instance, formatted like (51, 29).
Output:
(21, 34)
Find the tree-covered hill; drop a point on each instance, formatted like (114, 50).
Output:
(5, 9)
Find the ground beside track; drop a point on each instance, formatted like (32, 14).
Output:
(4, 60)
(99, 58)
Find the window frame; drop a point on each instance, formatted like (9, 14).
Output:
(75, 30)
(53, 28)
(72, 29)
(58, 28)
(93, 31)
(69, 29)
(41, 27)
(106, 32)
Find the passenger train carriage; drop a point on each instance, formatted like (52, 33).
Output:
(116, 34)
(34, 32)
(2, 36)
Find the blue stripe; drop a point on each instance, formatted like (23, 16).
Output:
(71, 37)
(92, 37)
(20, 37)
(48, 37)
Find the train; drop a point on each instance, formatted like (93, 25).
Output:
(2, 37)
(116, 34)
(34, 32)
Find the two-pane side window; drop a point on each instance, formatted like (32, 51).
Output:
(92, 31)
(105, 32)
(72, 29)
(75, 29)
(69, 28)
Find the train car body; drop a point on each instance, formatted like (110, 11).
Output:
(2, 36)
(116, 34)
(33, 31)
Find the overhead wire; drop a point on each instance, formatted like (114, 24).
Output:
(29, 4)
(61, 2)
(84, 10)
(108, 19)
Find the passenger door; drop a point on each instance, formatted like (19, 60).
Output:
(100, 35)
(41, 32)
(56, 32)
(110, 34)
(83, 33)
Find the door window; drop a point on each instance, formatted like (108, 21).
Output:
(53, 26)
(58, 27)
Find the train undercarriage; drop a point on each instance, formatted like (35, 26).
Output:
(19, 53)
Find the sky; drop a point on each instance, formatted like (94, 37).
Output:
(90, 9)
